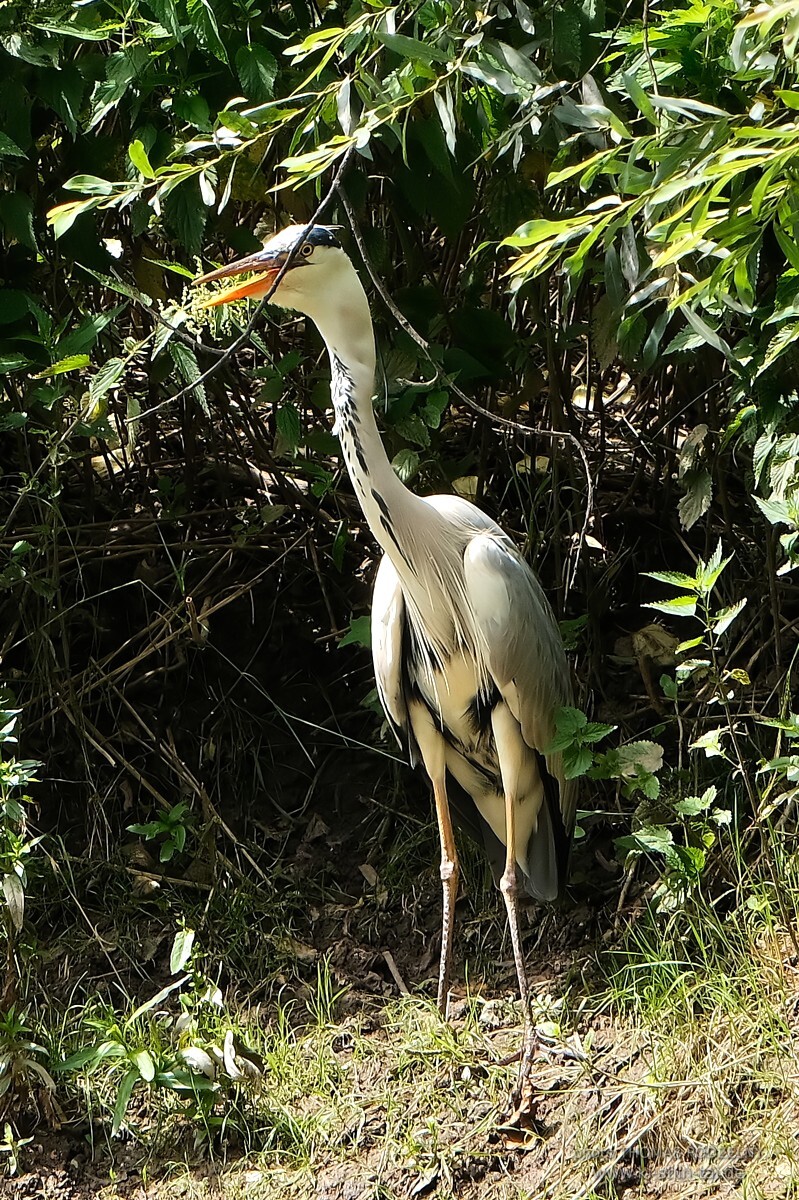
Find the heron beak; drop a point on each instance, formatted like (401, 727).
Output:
(266, 267)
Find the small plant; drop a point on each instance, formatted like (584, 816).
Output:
(679, 834)
(22, 1075)
(172, 825)
(11, 1146)
(701, 654)
(16, 844)
(195, 1055)
(635, 764)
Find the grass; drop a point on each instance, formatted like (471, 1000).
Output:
(668, 1062)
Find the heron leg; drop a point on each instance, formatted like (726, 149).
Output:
(432, 748)
(507, 738)
(449, 871)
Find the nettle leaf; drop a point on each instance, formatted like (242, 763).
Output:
(186, 214)
(406, 464)
(774, 510)
(9, 148)
(570, 720)
(203, 21)
(106, 378)
(257, 70)
(289, 429)
(677, 578)
(680, 606)
(699, 493)
(657, 839)
(577, 761)
(640, 756)
(73, 362)
(710, 742)
(725, 617)
(16, 216)
(434, 407)
(185, 360)
(166, 13)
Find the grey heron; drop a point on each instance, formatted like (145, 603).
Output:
(468, 659)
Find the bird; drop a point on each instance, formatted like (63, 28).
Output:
(468, 659)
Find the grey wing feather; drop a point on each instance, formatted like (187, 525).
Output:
(523, 647)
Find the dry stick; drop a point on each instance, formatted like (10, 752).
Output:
(245, 334)
(503, 422)
(166, 639)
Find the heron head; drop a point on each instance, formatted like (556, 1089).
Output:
(316, 261)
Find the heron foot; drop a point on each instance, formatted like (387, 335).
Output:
(522, 1101)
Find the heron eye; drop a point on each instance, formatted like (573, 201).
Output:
(307, 250)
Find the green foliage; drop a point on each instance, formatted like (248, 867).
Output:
(16, 842)
(172, 825)
(680, 833)
(630, 176)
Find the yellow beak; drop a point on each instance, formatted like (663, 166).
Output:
(266, 268)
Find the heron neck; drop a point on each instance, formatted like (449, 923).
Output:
(387, 504)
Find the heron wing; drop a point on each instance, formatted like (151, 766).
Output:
(525, 657)
(388, 640)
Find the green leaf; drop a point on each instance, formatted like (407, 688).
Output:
(358, 634)
(91, 185)
(710, 742)
(639, 97)
(73, 362)
(166, 14)
(185, 214)
(594, 731)
(289, 429)
(434, 407)
(789, 98)
(699, 493)
(680, 606)
(185, 360)
(142, 1060)
(570, 720)
(9, 148)
(106, 378)
(725, 616)
(774, 510)
(181, 950)
(677, 578)
(257, 70)
(14, 896)
(203, 21)
(406, 464)
(126, 1087)
(138, 156)
(411, 49)
(63, 216)
(16, 215)
(576, 761)
(657, 839)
